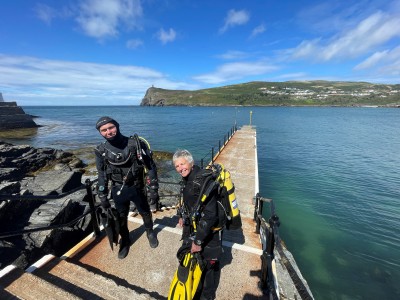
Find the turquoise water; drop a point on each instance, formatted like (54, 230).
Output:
(334, 174)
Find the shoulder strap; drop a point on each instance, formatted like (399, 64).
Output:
(208, 186)
(100, 148)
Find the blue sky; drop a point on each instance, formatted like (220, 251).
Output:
(109, 52)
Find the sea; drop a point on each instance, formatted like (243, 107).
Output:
(333, 173)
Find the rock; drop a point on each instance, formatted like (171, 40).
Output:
(7, 188)
(53, 182)
(17, 161)
(22, 173)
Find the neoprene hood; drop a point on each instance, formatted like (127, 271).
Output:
(105, 120)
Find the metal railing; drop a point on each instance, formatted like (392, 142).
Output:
(212, 154)
(270, 240)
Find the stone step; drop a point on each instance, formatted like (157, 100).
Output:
(86, 281)
(18, 284)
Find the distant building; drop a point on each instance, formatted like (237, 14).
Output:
(1, 97)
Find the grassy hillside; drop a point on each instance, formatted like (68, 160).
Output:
(290, 93)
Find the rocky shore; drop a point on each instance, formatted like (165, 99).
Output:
(45, 187)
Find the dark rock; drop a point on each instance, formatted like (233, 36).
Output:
(37, 208)
(9, 188)
(16, 162)
(53, 182)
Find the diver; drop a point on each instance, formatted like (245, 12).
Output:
(121, 163)
(198, 233)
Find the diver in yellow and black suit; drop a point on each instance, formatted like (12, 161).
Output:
(121, 161)
(204, 238)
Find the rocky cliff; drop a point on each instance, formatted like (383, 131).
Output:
(153, 97)
(289, 93)
(13, 116)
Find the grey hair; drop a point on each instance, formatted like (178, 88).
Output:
(183, 153)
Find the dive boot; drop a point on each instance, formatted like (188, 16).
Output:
(123, 248)
(153, 241)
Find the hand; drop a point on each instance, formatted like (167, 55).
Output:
(180, 222)
(195, 248)
(153, 196)
(104, 201)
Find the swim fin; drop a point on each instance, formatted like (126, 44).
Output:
(110, 221)
(186, 278)
(198, 270)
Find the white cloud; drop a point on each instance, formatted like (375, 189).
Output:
(258, 30)
(232, 54)
(45, 13)
(373, 31)
(166, 36)
(134, 43)
(104, 18)
(235, 18)
(371, 61)
(383, 62)
(235, 71)
(79, 83)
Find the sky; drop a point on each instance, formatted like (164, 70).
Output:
(109, 52)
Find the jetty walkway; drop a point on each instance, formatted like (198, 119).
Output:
(91, 270)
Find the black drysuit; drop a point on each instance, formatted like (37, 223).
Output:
(117, 163)
(211, 241)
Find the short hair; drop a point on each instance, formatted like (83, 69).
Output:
(183, 153)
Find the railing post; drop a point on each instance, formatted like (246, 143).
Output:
(201, 163)
(256, 200)
(259, 213)
(212, 155)
(219, 145)
(93, 214)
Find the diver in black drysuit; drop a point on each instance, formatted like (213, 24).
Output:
(119, 163)
(210, 240)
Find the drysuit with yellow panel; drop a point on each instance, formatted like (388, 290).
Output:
(203, 233)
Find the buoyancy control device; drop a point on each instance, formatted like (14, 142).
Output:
(217, 177)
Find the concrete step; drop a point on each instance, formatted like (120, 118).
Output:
(87, 282)
(18, 284)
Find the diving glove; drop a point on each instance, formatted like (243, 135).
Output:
(104, 201)
(153, 199)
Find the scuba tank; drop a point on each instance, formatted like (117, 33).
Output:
(233, 212)
(217, 177)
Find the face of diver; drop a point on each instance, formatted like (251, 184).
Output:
(108, 131)
(182, 166)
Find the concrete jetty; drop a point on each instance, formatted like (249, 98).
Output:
(91, 270)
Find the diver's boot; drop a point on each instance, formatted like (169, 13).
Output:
(148, 225)
(153, 241)
(124, 247)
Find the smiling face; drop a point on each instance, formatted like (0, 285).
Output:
(108, 130)
(182, 166)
